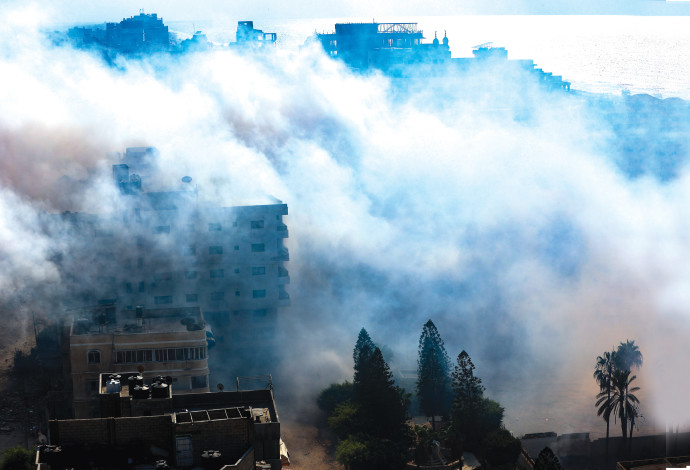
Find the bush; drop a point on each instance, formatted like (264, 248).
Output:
(334, 395)
(501, 448)
(17, 458)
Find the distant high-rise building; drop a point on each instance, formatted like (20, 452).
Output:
(382, 45)
(164, 249)
(143, 33)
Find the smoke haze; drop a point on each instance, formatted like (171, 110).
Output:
(517, 219)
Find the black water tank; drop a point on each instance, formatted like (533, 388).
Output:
(210, 459)
(159, 390)
(133, 381)
(141, 391)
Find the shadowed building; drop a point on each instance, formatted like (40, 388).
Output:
(139, 428)
(382, 45)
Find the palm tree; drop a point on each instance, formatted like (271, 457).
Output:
(628, 355)
(603, 374)
(620, 401)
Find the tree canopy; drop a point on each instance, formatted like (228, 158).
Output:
(433, 371)
(364, 348)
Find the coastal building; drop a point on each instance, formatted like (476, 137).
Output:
(161, 342)
(384, 46)
(247, 35)
(398, 50)
(144, 33)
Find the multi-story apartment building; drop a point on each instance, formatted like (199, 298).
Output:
(160, 342)
(165, 249)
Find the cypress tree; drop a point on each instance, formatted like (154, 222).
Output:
(364, 348)
(433, 370)
(468, 403)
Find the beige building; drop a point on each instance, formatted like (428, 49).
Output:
(161, 342)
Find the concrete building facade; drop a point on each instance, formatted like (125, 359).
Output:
(165, 249)
(160, 342)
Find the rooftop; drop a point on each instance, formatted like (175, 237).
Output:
(105, 320)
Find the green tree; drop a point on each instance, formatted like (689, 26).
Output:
(364, 348)
(17, 458)
(345, 420)
(628, 355)
(334, 395)
(371, 425)
(490, 416)
(621, 401)
(603, 374)
(500, 448)
(468, 401)
(433, 369)
(382, 404)
(547, 460)
(352, 453)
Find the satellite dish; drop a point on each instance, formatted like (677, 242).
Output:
(186, 179)
(220, 387)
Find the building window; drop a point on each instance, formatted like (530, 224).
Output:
(259, 293)
(190, 274)
(189, 227)
(214, 227)
(189, 250)
(161, 229)
(134, 356)
(91, 386)
(259, 312)
(257, 224)
(128, 287)
(199, 382)
(140, 262)
(166, 276)
(258, 247)
(215, 250)
(142, 286)
(217, 273)
(217, 296)
(237, 247)
(237, 270)
(162, 299)
(93, 357)
(237, 293)
(258, 270)
(192, 297)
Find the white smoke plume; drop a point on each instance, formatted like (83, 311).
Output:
(506, 213)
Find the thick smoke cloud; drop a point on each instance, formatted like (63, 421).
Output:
(508, 214)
